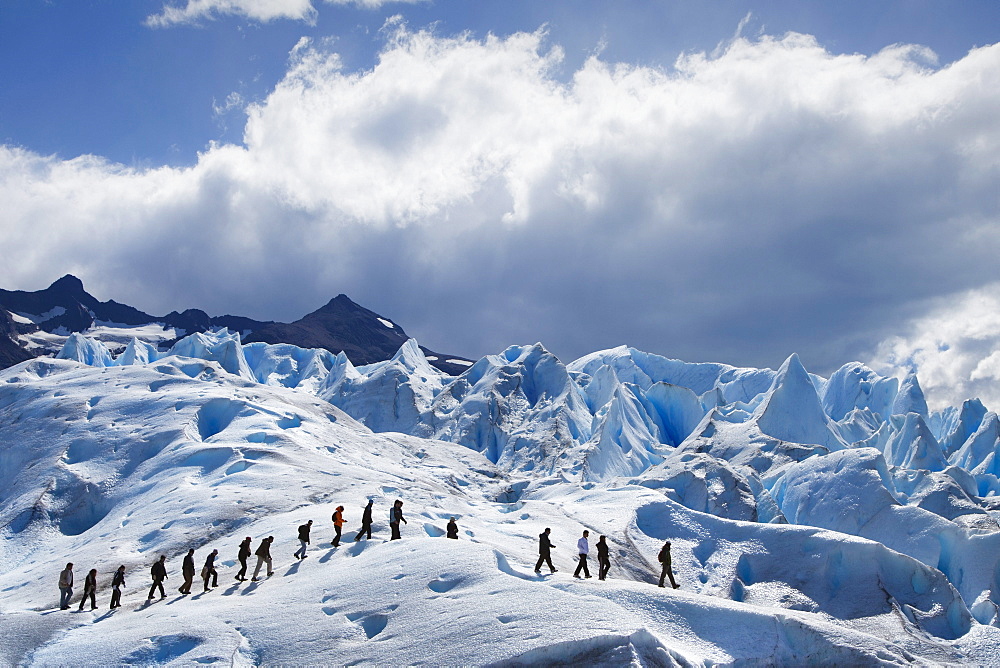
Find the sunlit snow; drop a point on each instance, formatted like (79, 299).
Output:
(810, 522)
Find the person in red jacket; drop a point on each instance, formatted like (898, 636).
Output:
(338, 523)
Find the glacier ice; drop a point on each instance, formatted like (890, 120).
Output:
(812, 519)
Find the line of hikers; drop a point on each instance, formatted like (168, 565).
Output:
(603, 561)
(210, 575)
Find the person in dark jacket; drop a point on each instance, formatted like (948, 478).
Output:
(664, 558)
(263, 553)
(366, 522)
(90, 589)
(603, 562)
(159, 573)
(208, 571)
(65, 586)
(188, 571)
(452, 529)
(243, 555)
(395, 517)
(338, 524)
(117, 582)
(303, 540)
(544, 556)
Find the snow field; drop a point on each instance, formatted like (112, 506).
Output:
(110, 464)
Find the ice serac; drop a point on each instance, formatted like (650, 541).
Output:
(701, 482)
(859, 425)
(950, 493)
(220, 346)
(627, 440)
(520, 408)
(88, 351)
(138, 352)
(791, 409)
(855, 386)
(910, 398)
(913, 446)
(842, 490)
(967, 422)
(394, 395)
(981, 452)
(643, 369)
(285, 365)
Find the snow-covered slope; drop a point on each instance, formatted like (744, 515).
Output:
(810, 522)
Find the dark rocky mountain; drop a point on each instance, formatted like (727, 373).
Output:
(363, 335)
(10, 352)
(65, 306)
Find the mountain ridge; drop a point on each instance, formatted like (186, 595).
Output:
(36, 323)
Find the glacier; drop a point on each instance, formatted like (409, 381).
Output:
(813, 520)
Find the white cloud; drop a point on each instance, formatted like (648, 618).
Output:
(954, 346)
(770, 198)
(255, 10)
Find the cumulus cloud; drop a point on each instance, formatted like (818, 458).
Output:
(768, 198)
(954, 346)
(255, 10)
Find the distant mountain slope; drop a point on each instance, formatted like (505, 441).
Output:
(342, 325)
(37, 324)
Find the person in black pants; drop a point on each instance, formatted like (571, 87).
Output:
(187, 570)
(395, 517)
(208, 572)
(544, 556)
(90, 589)
(603, 562)
(664, 558)
(338, 523)
(117, 582)
(452, 529)
(366, 521)
(303, 540)
(159, 573)
(243, 555)
(584, 548)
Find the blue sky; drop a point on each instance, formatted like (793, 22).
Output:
(723, 181)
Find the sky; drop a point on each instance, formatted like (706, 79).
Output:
(728, 181)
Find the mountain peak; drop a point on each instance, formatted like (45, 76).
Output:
(69, 284)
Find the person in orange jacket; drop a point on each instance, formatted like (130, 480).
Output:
(338, 523)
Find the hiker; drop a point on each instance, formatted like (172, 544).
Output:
(366, 521)
(117, 582)
(90, 589)
(187, 570)
(65, 586)
(338, 523)
(263, 553)
(603, 562)
(208, 571)
(243, 555)
(159, 573)
(583, 546)
(303, 540)
(452, 529)
(664, 558)
(395, 517)
(543, 551)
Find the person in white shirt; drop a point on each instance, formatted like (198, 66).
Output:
(584, 548)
